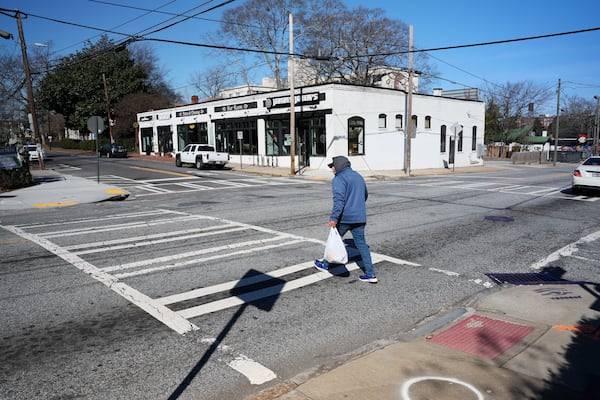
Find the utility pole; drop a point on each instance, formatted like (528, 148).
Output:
(596, 127)
(292, 99)
(409, 121)
(34, 122)
(557, 123)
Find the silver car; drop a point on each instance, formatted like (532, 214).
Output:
(586, 175)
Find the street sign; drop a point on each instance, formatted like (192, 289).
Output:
(455, 128)
(95, 124)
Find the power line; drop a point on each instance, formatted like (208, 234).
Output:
(172, 14)
(122, 24)
(462, 46)
(224, 3)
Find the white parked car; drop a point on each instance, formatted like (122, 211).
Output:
(586, 175)
(35, 151)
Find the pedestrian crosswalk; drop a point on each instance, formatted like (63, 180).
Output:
(147, 247)
(502, 186)
(192, 183)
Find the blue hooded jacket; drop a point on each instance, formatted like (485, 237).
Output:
(349, 194)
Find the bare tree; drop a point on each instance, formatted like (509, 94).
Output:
(336, 43)
(355, 44)
(264, 29)
(577, 116)
(513, 99)
(212, 81)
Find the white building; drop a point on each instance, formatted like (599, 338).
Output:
(367, 124)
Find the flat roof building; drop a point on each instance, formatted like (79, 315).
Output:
(366, 124)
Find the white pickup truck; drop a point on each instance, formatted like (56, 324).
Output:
(201, 155)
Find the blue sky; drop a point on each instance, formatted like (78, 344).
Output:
(575, 59)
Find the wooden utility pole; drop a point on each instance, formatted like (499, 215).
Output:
(596, 126)
(292, 99)
(34, 122)
(409, 121)
(557, 123)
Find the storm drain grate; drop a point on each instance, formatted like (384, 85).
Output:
(538, 278)
(499, 218)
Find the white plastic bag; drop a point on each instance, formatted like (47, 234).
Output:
(335, 250)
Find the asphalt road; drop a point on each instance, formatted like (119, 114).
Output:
(208, 293)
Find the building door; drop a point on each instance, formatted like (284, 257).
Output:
(165, 139)
(146, 136)
(305, 144)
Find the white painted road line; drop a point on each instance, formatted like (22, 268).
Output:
(256, 373)
(162, 240)
(566, 251)
(154, 189)
(133, 239)
(201, 260)
(116, 227)
(183, 178)
(106, 218)
(191, 185)
(197, 293)
(152, 307)
(545, 190)
(190, 254)
(229, 302)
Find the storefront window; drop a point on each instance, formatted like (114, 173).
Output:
(356, 136)
(278, 137)
(226, 136)
(192, 133)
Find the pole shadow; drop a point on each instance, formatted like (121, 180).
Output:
(262, 295)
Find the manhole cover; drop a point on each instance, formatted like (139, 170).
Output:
(499, 218)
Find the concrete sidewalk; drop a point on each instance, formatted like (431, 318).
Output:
(53, 189)
(512, 343)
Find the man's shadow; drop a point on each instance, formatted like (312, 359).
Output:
(262, 295)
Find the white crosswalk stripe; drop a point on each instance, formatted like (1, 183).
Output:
(502, 187)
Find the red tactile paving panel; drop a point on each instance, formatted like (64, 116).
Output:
(482, 336)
